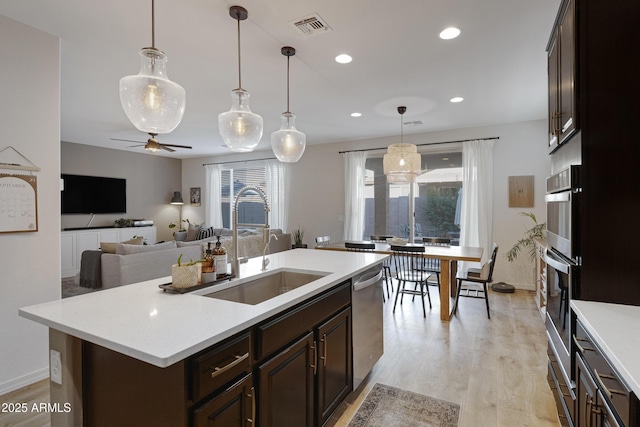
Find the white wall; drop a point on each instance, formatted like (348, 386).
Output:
(151, 181)
(317, 189)
(30, 262)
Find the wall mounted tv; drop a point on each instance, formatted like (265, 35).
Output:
(93, 195)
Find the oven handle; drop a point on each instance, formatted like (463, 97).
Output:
(564, 196)
(555, 262)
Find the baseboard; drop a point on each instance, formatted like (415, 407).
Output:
(23, 381)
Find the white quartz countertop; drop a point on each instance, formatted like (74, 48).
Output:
(616, 330)
(162, 328)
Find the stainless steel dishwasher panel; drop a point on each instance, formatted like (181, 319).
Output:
(367, 327)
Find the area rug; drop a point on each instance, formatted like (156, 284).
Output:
(393, 407)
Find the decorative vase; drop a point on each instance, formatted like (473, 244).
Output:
(179, 236)
(185, 276)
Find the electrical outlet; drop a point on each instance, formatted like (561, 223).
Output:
(55, 366)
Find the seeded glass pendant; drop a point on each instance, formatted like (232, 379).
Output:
(402, 163)
(288, 143)
(240, 128)
(152, 102)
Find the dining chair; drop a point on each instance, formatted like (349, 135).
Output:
(475, 276)
(323, 241)
(432, 265)
(409, 264)
(386, 264)
(363, 247)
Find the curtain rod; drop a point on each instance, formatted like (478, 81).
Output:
(426, 143)
(239, 161)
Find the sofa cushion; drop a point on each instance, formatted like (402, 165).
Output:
(192, 231)
(110, 247)
(124, 249)
(204, 233)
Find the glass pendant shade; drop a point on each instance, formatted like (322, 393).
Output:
(288, 143)
(401, 164)
(152, 102)
(240, 128)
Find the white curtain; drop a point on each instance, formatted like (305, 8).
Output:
(278, 183)
(477, 200)
(213, 194)
(354, 165)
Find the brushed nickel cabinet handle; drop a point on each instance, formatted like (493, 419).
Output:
(253, 405)
(238, 359)
(314, 347)
(581, 348)
(324, 350)
(605, 389)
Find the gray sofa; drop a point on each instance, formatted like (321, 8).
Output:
(136, 264)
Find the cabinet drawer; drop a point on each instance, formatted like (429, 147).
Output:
(215, 368)
(280, 331)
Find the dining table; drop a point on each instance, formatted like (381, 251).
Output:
(448, 256)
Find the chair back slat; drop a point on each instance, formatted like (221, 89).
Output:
(492, 261)
(360, 246)
(323, 241)
(380, 238)
(436, 241)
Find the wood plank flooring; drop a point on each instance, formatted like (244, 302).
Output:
(495, 369)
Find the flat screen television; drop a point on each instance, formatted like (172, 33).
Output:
(83, 194)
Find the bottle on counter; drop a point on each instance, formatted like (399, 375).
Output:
(208, 266)
(220, 257)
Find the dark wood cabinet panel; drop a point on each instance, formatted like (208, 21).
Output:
(334, 379)
(234, 407)
(286, 390)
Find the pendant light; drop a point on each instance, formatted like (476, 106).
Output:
(402, 162)
(240, 128)
(288, 143)
(152, 102)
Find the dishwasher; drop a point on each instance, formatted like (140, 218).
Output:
(367, 322)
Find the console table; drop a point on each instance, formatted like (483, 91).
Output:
(74, 242)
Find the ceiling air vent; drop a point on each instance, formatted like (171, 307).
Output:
(311, 25)
(413, 123)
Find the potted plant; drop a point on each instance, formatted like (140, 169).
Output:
(298, 235)
(186, 275)
(181, 234)
(537, 231)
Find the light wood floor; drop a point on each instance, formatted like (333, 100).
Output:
(495, 369)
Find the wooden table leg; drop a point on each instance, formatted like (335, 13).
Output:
(445, 289)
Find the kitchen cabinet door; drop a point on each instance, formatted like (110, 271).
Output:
(233, 407)
(286, 389)
(334, 379)
(586, 406)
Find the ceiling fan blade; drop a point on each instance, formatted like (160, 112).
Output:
(135, 146)
(126, 140)
(178, 146)
(164, 147)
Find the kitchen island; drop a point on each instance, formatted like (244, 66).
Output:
(156, 334)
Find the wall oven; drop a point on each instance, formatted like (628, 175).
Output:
(562, 199)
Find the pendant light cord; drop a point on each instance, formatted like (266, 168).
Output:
(288, 58)
(239, 63)
(153, 24)
(401, 130)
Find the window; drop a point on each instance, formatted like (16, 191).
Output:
(251, 210)
(437, 198)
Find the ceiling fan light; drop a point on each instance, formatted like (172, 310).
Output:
(288, 143)
(152, 102)
(240, 128)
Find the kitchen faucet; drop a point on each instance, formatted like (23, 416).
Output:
(265, 260)
(235, 264)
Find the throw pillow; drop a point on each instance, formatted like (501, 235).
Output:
(204, 233)
(192, 232)
(110, 247)
(124, 249)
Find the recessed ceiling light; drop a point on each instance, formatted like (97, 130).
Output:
(449, 33)
(343, 58)
(356, 114)
(457, 99)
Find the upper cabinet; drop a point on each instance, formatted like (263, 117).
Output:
(562, 78)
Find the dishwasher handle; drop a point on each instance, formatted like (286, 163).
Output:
(361, 284)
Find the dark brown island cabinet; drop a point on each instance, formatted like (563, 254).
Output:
(593, 70)
(293, 369)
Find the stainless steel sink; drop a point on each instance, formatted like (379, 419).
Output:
(266, 287)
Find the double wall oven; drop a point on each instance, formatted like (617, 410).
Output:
(563, 282)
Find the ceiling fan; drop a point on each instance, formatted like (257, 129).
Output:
(153, 145)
